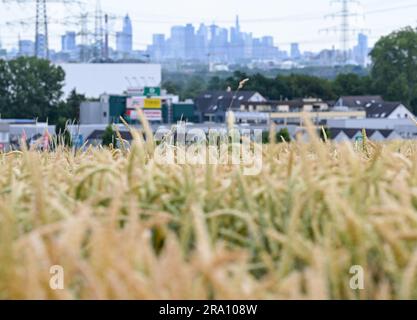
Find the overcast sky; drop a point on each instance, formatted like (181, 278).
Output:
(287, 20)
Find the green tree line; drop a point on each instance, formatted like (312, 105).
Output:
(393, 75)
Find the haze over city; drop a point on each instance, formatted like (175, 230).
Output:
(287, 21)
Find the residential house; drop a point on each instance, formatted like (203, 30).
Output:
(213, 105)
(388, 110)
(353, 102)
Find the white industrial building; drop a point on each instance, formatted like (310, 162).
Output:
(94, 79)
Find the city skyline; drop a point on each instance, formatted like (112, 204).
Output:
(288, 22)
(208, 44)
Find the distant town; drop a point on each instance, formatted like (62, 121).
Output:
(92, 85)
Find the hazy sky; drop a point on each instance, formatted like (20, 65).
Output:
(287, 20)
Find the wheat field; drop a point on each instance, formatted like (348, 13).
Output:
(124, 227)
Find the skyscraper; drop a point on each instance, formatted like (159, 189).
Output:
(264, 48)
(124, 39)
(177, 42)
(68, 42)
(26, 48)
(219, 44)
(190, 42)
(42, 46)
(247, 45)
(361, 50)
(201, 42)
(295, 51)
(235, 31)
(236, 42)
(158, 47)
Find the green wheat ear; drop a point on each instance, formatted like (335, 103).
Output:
(364, 139)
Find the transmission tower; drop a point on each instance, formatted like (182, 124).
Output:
(84, 37)
(98, 33)
(344, 29)
(41, 36)
(106, 37)
(41, 22)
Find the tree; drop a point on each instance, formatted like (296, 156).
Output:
(215, 83)
(171, 87)
(68, 109)
(62, 132)
(280, 136)
(283, 134)
(394, 70)
(73, 103)
(4, 87)
(109, 136)
(302, 86)
(30, 88)
(194, 87)
(351, 84)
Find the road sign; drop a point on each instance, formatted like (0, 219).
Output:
(151, 115)
(135, 102)
(152, 91)
(143, 103)
(152, 104)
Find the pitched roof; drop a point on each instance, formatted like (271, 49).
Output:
(213, 101)
(350, 133)
(386, 133)
(381, 110)
(334, 132)
(358, 101)
(297, 103)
